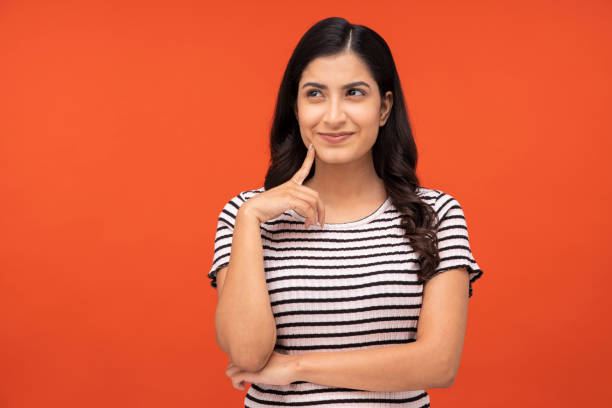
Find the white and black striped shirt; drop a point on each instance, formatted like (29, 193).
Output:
(344, 287)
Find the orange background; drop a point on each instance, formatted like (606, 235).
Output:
(125, 126)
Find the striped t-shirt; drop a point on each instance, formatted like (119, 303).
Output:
(344, 287)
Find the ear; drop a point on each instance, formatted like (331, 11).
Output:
(295, 110)
(385, 107)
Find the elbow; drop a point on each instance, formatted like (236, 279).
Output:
(449, 373)
(447, 381)
(248, 352)
(251, 362)
(251, 354)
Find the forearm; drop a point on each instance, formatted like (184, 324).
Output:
(403, 367)
(244, 322)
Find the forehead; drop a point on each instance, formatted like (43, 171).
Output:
(337, 70)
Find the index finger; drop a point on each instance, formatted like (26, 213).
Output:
(302, 173)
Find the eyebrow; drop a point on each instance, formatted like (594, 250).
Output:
(349, 85)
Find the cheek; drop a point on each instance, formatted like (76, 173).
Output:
(310, 115)
(308, 118)
(365, 115)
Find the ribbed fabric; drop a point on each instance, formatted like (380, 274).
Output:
(345, 287)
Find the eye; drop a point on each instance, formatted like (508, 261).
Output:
(309, 93)
(358, 90)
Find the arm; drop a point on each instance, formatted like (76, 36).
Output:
(244, 323)
(431, 361)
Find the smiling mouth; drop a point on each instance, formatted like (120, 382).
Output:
(336, 134)
(335, 138)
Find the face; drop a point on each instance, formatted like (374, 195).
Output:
(337, 94)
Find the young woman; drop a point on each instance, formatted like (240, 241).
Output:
(333, 295)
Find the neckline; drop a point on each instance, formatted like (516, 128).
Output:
(342, 225)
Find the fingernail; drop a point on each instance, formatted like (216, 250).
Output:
(310, 147)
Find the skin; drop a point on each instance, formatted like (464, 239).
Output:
(348, 186)
(345, 177)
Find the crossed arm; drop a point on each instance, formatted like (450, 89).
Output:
(431, 361)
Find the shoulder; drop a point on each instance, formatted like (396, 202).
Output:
(232, 205)
(238, 199)
(440, 200)
(251, 193)
(429, 195)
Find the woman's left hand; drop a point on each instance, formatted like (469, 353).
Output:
(280, 370)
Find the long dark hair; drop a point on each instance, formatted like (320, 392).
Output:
(394, 152)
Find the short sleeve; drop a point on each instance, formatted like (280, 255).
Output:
(453, 239)
(223, 236)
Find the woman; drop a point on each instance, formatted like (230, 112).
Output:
(333, 295)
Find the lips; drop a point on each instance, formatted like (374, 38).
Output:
(334, 138)
(337, 134)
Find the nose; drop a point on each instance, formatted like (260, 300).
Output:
(334, 114)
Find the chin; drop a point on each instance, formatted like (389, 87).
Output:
(339, 156)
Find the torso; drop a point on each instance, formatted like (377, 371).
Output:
(351, 285)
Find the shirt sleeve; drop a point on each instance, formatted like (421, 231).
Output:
(453, 239)
(223, 236)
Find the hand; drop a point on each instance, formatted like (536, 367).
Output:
(280, 370)
(291, 194)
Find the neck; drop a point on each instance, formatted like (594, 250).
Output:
(343, 185)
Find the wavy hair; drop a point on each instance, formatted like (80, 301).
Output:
(394, 152)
